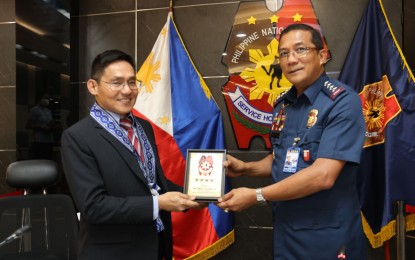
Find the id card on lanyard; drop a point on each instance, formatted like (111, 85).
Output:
(291, 160)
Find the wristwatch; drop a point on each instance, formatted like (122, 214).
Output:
(260, 198)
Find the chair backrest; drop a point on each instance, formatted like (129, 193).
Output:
(52, 217)
(55, 238)
(32, 174)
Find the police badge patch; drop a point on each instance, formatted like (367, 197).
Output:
(312, 118)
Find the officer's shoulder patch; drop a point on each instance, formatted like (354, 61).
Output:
(279, 97)
(332, 90)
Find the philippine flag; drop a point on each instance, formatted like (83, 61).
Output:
(184, 115)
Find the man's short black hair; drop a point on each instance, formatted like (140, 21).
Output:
(315, 34)
(105, 58)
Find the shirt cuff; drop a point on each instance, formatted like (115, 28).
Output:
(155, 207)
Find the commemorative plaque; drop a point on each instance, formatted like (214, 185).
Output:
(205, 174)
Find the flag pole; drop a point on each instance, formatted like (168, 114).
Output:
(171, 6)
(400, 230)
(387, 249)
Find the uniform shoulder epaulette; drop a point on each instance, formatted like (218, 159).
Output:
(278, 98)
(332, 90)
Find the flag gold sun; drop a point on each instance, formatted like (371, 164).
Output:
(267, 74)
(148, 73)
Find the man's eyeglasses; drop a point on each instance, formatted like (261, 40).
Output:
(118, 85)
(297, 53)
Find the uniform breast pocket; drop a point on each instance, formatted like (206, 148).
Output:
(277, 139)
(310, 143)
(315, 219)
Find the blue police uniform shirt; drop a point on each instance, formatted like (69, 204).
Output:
(328, 120)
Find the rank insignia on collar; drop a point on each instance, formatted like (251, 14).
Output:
(312, 118)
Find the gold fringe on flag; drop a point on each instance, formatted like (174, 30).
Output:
(215, 248)
(386, 232)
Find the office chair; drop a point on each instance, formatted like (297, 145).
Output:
(46, 224)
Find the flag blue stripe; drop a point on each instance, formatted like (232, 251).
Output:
(197, 122)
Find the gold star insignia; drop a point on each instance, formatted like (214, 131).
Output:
(251, 20)
(297, 17)
(274, 19)
(164, 120)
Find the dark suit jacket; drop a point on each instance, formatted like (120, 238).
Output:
(111, 192)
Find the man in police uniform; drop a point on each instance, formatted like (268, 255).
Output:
(319, 125)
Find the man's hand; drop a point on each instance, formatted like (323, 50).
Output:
(234, 167)
(177, 201)
(238, 199)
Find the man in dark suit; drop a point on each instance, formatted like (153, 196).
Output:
(117, 184)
